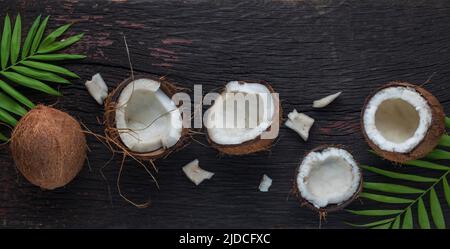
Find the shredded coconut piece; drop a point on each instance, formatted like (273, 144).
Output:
(300, 123)
(196, 174)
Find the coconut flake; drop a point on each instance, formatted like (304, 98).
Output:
(265, 183)
(330, 176)
(300, 123)
(146, 117)
(326, 100)
(415, 116)
(240, 124)
(196, 174)
(97, 88)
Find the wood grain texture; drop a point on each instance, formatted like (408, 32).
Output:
(305, 49)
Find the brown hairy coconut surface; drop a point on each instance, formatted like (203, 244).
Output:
(323, 211)
(431, 139)
(48, 147)
(112, 134)
(255, 145)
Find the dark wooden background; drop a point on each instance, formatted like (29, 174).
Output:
(305, 49)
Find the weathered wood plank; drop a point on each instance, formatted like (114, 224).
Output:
(305, 49)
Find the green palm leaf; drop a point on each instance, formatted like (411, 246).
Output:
(384, 226)
(407, 220)
(3, 137)
(400, 176)
(375, 223)
(30, 36)
(424, 223)
(10, 105)
(30, 82)
(60, 45)
(406, 213)
(392, 188)
(436, 210)
(6, 42)
(54, 35)
(7, 118)
(396, 223)
(40, 75)
(15, 39)
(444, 141)
(427, 165)
(15, 94)
(439, 154)
(56, 57)
(385, 198)
(379, 212)
(446, 190)
(38, 37)
(50, 68)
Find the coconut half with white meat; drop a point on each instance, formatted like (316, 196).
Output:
(328, 179)
(402, 121)
(244, 119)
(142, 119)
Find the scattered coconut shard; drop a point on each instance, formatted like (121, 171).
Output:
(244, 119)
(141, 118)
(97, 88)
(326, 100)
(328, 179)
(265, 183)
(48, 147)
(402, 121)
(196, 174)
(300, 123)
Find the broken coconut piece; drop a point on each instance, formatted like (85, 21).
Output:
(265, 184)
(97, 88)
(328, 179)
(402, 122)
(300, 123)
(142, 119)
(326, 100)
(244, 118)
(196, 174)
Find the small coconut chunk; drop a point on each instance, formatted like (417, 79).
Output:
(97, 88)
(330, 176)
(265, 184)
(300, 123)
(326, 100)
(196, 174)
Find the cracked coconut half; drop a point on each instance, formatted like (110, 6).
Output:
(328, 179)
(142, 119)
(244, 118)
(402, 121)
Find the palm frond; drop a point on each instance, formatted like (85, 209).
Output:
(416, 208)
(28, 64)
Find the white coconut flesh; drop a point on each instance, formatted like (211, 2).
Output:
(146, 118)
(330, 176)
(397, 119)
(241, 113)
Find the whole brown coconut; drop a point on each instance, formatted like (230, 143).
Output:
(255, 145)
(112, 132)
(323, 211)
(48, 147)
(431, 139)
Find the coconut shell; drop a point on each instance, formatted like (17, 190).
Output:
(48, 147)
(252, 146)
(110, 120)
(431, 139)
(331, 207)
